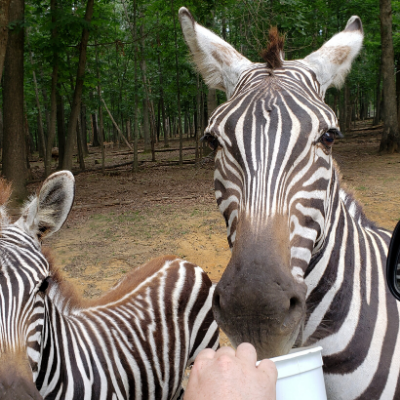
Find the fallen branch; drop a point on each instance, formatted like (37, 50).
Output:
(367, 129)
(115, 124)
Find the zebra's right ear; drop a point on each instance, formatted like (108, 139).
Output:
(47, 212)
(218, 62)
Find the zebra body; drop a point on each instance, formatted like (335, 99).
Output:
(133, 343)
(307, 267)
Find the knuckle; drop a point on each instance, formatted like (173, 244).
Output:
(224, 361)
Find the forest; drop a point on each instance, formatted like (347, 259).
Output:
(85, 76)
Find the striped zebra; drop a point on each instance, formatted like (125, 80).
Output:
(307, 267)
(133, 343)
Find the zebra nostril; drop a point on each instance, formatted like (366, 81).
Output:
(217, 300)
(293, 303)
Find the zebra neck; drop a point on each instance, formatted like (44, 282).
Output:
(345, 274)
(49, 364)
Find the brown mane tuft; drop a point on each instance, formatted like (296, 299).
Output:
(73, 300)
(5, 191)
(273, 54)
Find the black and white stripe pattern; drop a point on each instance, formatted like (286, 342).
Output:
(307, 267)
(133, 343)
(266, 166)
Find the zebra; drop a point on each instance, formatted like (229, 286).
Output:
(307, 266)
(132, 343)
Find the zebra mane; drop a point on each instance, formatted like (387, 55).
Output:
(273, 54)
(353, 205)
(68, 299)
(5, 193)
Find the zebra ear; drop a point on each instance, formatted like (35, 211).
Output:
(47, 212)
(332, 61)
(217, 61)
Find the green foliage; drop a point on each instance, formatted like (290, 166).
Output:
(116, 48)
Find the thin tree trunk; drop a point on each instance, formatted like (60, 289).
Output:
(96, 134)
(69, 145)
(347, 106)
(159, 120)
(390, 141)
(14, 152)
(128, 130)
(178, 95)
(398, 81)
(378, 98)
(42, 140)
(60, 127)
(211, 101)
(101, 127)
(161, 91)
(1, 129)
(51, 134)
(79, 142)
(4, 13)
(45, 107)
(84, 131)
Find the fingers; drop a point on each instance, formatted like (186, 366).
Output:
(247, 353)
(206, 354)
(269, 368)
(228, 351)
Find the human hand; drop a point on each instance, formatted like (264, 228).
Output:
(224, 375)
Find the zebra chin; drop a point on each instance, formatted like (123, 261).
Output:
(267, 344)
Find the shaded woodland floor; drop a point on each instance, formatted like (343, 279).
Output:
(122, 219)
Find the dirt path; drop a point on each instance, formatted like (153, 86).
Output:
(119, 222)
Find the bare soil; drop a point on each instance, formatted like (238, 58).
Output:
(122, 219)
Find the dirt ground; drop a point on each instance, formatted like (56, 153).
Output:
(121, 220)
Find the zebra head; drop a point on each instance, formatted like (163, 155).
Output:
(274, 176)
(23, 268)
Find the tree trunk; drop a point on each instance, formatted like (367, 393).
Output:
(4, 13)
(177, 85)
(14, 152)
(60, 127)
(84, 131)
(390, 141)
(378, 98)
(69, 145)
(398, 82)
(211, 101)
(1, 130)
(80, 146)
(101, 127)
(45, 105)
(161, 103)
(347, 106)
(51, 133)
(42, 140)
(96, 141)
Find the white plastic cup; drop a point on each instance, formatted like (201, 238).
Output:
(300, 375)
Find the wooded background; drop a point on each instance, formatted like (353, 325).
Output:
(79, 72)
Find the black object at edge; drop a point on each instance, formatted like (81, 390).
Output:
(391, 262)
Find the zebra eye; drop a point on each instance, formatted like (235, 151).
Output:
(211, 141)
(45, 284)
(328, 138)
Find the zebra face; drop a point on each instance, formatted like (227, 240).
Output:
(23, 274)
(23, 268)
(273, 177)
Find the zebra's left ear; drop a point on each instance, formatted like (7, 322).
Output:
(332, 62)
(47, 212)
